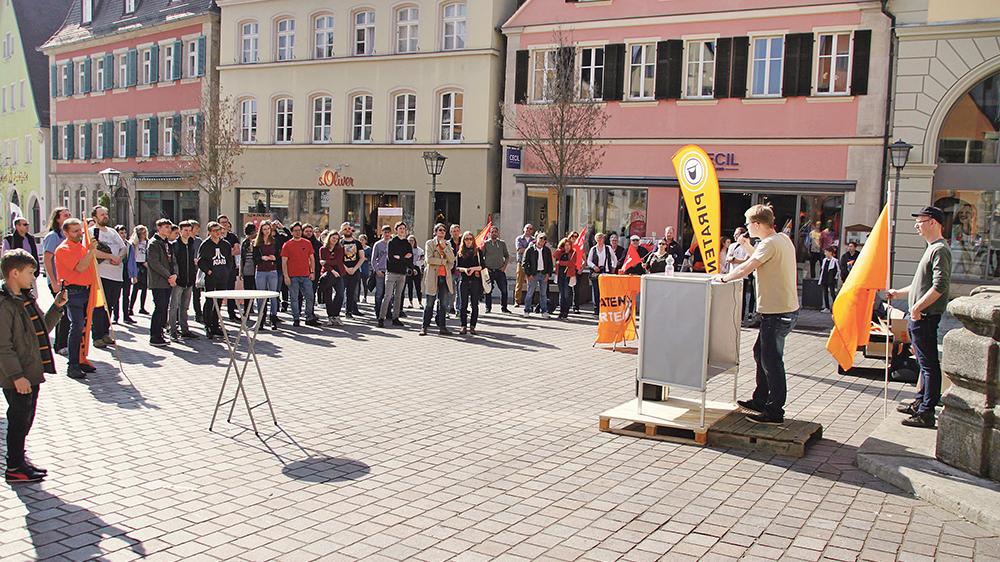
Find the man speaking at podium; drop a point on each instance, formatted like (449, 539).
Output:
(773, 258)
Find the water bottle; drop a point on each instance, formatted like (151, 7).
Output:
(670, 266)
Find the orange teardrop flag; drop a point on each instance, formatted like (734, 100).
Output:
(700, 186)
(852, 311)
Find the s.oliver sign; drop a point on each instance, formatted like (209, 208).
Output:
(332, 178)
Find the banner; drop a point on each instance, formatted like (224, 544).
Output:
(700, 186)
(94, 300)
(484, 234)
(617, 319)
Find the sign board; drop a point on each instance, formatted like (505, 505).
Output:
(724, 161)
(333, 178)
(388, 216)
(514, 157)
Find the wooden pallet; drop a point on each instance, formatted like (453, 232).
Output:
(790, 438)
(676, 419)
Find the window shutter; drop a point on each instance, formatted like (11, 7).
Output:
(797, 65)
(176, 144)
(87, 151)
(805, 64)
(723, 66)
(131, 62)
(662, 69)
(565, 69)
(199, 130)
(55, 142)
(521, 77)
(85, 87)
(154, 62)
(54, 80)
(154, 136)
(69, 141)
(68, 79)
(675, 68)
(862, 61)
(109, 139)
(738, 80)
(130, 130)
(614, 72)
(178, 60)
(109, 72)
(201, 56)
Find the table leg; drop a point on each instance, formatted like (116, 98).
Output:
(225, 380)
(239, 376)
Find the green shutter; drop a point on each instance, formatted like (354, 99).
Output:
(199, 130)
(70, 153)
(176, 144)
(154, 138)
(68, 79)
(132, 61)
(109, 72)
(54, 80)
(178, 60)
(154, 60)
(55, 142)
(201, 57)
(130, 130)
(87, 150)
(109, 139)
(85, 87)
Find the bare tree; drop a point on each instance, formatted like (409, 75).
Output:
(214, 156)
(560, 129)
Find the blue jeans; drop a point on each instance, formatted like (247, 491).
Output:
(268, 281)
(443, 298)
(302, 286)
(537, 282)
(923, 337)
(768, 352)
(565, 295)
(76, 309)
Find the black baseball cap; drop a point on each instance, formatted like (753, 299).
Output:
(932, 212)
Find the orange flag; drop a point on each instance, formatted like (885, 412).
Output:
(96, 300)
(852, 311)
(484, 233)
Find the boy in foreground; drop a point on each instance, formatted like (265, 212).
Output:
(25, 355)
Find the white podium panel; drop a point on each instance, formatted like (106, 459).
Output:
(689, 330)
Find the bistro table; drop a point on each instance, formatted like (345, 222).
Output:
(247, 330)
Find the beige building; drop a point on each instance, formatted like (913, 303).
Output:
(947, 105)
(339, 101)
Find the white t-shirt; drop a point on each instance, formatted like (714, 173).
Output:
(541, 260)
(106, 270)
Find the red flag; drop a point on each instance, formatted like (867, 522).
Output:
(484, 233)
(578, 247)
(631, 259)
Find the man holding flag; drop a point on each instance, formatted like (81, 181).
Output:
(76, 266)
(496, 256)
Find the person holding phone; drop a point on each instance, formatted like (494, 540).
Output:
(76, 265)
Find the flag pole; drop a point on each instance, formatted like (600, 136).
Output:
(890, 342)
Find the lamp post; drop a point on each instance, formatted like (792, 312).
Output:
(434, 161)
(112, 178)
(899, 154)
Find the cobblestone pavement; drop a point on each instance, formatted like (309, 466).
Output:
(393, 446)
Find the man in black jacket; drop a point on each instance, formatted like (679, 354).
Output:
(161, 270)
(847, 260)
(180, 295)
(215, 258)
(399, 260)
(537, 264)
(21, 239)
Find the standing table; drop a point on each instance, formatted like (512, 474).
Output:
(247, 330)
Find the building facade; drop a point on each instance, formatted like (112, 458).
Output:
(126, 82)
(788, 98)
(24, 108)
(339, 101)
(947, 105)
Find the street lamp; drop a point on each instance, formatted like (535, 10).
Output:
(899, 154)
(111, 178)
(434, 161)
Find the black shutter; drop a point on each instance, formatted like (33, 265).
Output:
(521, 77)
(862, 58)
(675, 68)
(723, 66)
(662, 69)
(614, 72)
(797, 78)
(565, 70)
(741, 54)
(805, 65)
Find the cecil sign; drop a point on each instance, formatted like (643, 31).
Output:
(331, 178)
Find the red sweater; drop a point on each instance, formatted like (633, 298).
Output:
(332, 260)
(565, 260)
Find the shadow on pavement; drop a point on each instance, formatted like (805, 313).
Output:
(44, 507)
(108, 385)
(322, 469)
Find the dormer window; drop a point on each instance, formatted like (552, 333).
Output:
(88, 11)
(130, 6)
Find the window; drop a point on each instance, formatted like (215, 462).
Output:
(98, 74)
(8, 46)
(99, 140)
(249, 42)
(147, 66)
(765, 78)
(147, 131)
(283, 120)
(81, 74)
(122, 70)
(406, 30)
(88, 11)
(700, 69)
(286, 39)
(81, 199)
(122, 139)
(543, 74)
(22, 94)
(362, 128)
(322, 118)
(364, 33)
(67, 143)
(591, 73)
(833, 74)
(192, 59)
(84, 148)
(168, 137)
(454, 27)
(168, 62)
(65, 199)
(642, 71)
(451, 116)
(3, 99)
(323, 33)
(248, 121)
(406, 118)
(27, 149)
(130, 6)
(191, 134)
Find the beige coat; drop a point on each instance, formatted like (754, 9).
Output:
(434, 261)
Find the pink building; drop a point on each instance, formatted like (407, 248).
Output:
(126, 84)
(789, 97)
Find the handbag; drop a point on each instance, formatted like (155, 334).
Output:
(370, 282)
(199, 279)
(484, 274)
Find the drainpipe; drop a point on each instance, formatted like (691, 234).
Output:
(888, 102)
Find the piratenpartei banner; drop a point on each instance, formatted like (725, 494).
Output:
(700, 186)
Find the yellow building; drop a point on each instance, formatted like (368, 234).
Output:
(338, 103)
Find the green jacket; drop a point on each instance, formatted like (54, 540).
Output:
(19, 356)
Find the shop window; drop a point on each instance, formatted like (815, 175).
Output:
(620, 211)
(448, 208)
(971, 131)
(310, 206)
(361, 209)
(972, 230)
